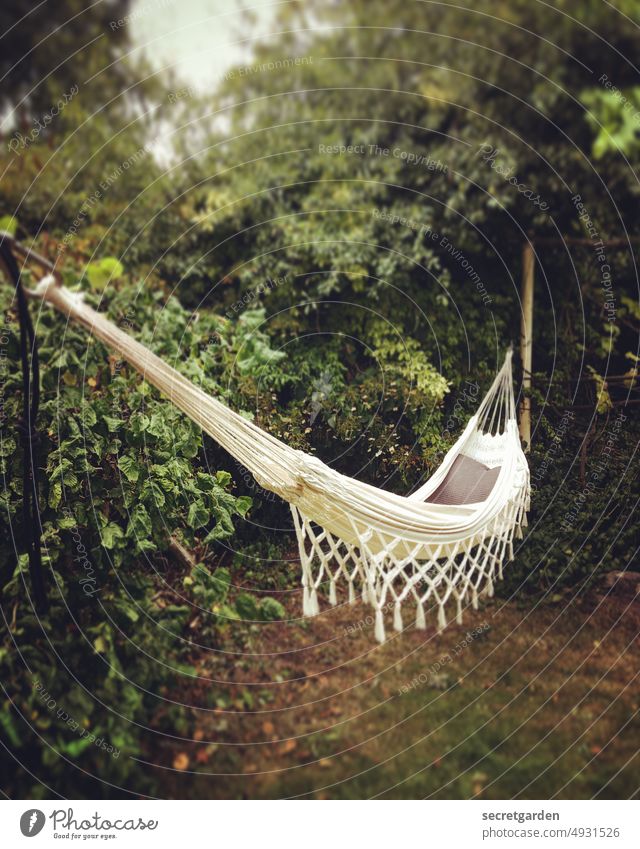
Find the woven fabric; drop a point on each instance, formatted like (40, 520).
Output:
(467, 482)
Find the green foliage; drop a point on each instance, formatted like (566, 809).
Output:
(104, 271)
(613, 117)
(9, 224)
(122, 470)
(342, 260)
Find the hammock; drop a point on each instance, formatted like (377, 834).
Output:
(443, 544)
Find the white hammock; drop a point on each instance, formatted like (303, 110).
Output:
(445, 542)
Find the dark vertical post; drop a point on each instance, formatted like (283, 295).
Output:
(526, 341)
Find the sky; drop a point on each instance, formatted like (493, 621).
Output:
(200, 39)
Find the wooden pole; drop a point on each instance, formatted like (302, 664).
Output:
(526, 341)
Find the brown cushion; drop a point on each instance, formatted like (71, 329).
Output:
(467, 481)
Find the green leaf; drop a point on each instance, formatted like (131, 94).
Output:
(140, 524)
(157, 426)
(223, 478)
(112, 423)
(101, 272)
(198, 515)
(76, 747)
(55, 495)
(8, 726)
(272, 609)
(129, 468)
(100, 644)
(246, 606)
(9, 224)
(243, 504)
(110, 535)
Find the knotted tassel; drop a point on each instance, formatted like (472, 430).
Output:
(352, 593)
(459, 612)
(314, 607)
(365, 593)
(519, 534)
(490, 586)
(333, 599)
(510, 556)
(474, 598)
(421, 622)
(442, 619)
(397, 617)
(379, 632)
(306, 608)
(372, 595)
(525, 521)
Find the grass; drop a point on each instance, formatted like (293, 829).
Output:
(540, 702)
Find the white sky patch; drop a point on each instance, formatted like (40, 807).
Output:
(197, 39)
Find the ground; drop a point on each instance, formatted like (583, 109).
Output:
(528, 699)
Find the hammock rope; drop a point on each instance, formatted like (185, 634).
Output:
(445, 543)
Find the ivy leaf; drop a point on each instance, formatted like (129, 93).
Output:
(112, 423)
(110, 534)
(140, 524)
(157, 426)
(223, 478)
(55, 495)
(243, 505)
(129, 468)
(198, 515)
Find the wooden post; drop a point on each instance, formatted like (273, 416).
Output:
(526, 341)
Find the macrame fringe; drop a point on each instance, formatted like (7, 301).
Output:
(421, 622)
(314, 607)
(372, 595)
(397, 617)
(352, 593)
(306, 607)
(333, 598)
(442, 619)
(490, 589)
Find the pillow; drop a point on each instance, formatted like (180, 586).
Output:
(467, 482)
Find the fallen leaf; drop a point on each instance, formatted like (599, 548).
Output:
(287, 746)
(181, 761)
(268, 728)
